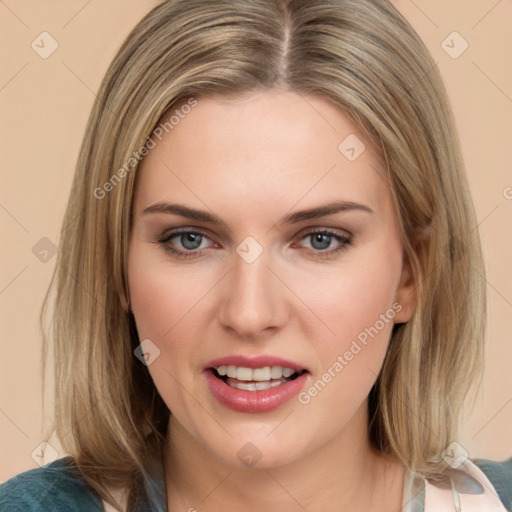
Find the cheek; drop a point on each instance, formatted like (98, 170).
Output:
(351, 299)
(357, 305)
(163, 301)
(161, 296)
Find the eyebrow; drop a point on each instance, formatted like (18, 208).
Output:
(292, 218)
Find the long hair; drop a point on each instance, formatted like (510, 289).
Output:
(365, 58)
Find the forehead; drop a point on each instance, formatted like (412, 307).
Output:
(266, 148)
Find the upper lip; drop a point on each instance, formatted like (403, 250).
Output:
(254, 362)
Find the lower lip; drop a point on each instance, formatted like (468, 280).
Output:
(262, 400)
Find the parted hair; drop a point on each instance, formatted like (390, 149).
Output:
(363, 57)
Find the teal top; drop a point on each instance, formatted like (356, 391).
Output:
(58, 487)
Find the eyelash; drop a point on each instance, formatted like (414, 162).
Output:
(166, 237)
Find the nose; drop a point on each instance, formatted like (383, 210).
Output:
(255, 302)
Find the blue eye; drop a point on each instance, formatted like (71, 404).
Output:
(191, 242)
(321, 240)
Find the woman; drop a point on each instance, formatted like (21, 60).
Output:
(268, 291)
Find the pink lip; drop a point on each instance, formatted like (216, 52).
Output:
(263, 400)
(254, 362)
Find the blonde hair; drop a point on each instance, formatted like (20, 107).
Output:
(362, 56)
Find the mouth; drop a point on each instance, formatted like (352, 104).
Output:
(254, 385)
(255, 379)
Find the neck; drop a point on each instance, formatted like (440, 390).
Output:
(344, 474)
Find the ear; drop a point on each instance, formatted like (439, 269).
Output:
(406, 293)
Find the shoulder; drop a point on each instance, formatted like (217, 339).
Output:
(500, 476)
(57, 486)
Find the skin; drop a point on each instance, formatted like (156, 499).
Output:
(250, 161)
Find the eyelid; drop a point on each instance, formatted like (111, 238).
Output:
(172, 232)
(344, 241)
(324, 228)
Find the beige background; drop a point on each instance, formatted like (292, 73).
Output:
(44, 107)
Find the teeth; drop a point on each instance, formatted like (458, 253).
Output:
(247, 386)
(276, 372)
(255, 374)
(244, 373)
(260, 373)
(254, 386)
(287, 372)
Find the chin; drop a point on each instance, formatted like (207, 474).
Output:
(258, 452)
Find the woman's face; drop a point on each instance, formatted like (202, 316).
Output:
(261, 285)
